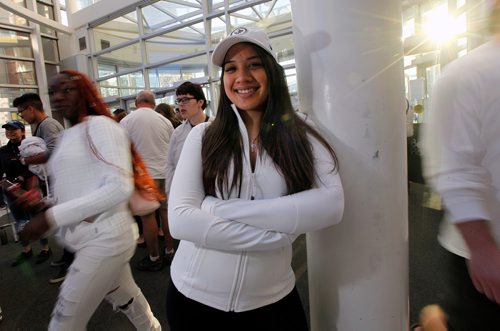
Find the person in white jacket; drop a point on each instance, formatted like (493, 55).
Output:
(463, 165)
(246, 185)
(90, 211)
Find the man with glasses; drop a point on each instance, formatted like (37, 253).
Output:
(190, 102)
(150, 133)
(30, 108)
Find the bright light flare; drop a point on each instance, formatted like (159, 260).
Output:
(439, 26)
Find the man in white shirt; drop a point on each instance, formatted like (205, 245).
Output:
(150, 133)
(463, 164)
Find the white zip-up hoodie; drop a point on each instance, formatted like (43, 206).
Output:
(235, 255)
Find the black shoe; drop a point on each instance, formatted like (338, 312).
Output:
(60, 275)
(22, 257)
(168, 257)
(147, 265)
(43, 256)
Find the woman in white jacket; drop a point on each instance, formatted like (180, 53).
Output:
(245, 187)
(90, 211)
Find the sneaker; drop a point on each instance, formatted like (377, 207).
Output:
(22, 257)
(43, 256)
(60, 275)
(58, 263)
(147, 265)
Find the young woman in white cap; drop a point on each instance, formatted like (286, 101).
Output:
(245, 187)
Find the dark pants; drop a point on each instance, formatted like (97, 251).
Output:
(184, 314)
(468, 310)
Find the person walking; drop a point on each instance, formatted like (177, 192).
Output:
(463, 166)
(91, 215)
(30, 108)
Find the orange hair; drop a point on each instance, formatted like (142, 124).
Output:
(96, 106)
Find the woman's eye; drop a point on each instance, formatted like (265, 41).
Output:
(229, 69)
(255, 65)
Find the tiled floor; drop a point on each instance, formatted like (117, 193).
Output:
(27, 298)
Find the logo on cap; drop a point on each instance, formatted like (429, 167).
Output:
(239, 31)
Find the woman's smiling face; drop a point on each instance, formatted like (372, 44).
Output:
(245, 79)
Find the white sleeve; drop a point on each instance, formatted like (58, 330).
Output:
(187, 221)
(310, 210)
(171, 162)
(116, 186)
(455, 150)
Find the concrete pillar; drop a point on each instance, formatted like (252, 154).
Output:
(349, 59)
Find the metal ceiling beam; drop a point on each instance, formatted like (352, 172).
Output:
(34, 17)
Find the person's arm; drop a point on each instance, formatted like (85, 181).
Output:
(187, 221)
(50, 134)
(171, 161)
(484, 262)
(36, 159)
(309, 210)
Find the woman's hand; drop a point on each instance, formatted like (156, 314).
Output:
(30, 201)
(35, 228)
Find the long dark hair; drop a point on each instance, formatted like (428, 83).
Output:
(283, 135)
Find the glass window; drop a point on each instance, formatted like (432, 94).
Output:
(46, 11)
(9, 18)
(8, 94)
(106, 69)
(131, 83)
(163, 14)
(291, 80)
(278, 12)
(50, 50)
(17, 72)
(51, 70)
(218, 32)
(122, 58)
(166, 75)
(177, 43)
(117, 31)
(109, 87)
(128, 84)
(80, 4)
(16, 44)
(283, 47)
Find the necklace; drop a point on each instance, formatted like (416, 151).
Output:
(254, 145)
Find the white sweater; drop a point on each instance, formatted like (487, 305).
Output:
(91, 197)
(235, 255)
(462, 142)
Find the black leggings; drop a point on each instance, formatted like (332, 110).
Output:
(184, 314)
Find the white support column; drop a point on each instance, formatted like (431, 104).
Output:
(349, 59)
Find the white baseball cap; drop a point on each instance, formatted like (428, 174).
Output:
(241, 35)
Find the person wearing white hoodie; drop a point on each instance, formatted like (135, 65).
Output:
(245, 187)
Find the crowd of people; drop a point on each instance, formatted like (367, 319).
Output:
(239, 188)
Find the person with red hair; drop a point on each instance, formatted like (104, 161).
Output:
(92, 183)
